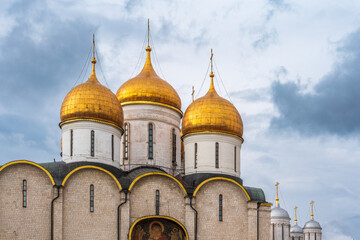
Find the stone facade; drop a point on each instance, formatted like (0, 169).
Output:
(296, 236)
(171, 198)
(32, 221)
(228, 154)
(78, 221)
(164, 120)
(312, 234)
(81, 134)
(234, 224)
(72, 218)
(280, 230)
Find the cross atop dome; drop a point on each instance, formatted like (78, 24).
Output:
(312, 209)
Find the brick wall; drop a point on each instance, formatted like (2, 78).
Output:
(78, 221)
(235, 212)
(172, 198)
(32, 222)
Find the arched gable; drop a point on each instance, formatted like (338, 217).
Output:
(221, 179)
(92, 167)
(161, 174)
(30, 163)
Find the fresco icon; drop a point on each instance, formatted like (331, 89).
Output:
(157, 229)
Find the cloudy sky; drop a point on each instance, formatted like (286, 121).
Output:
(292, 69)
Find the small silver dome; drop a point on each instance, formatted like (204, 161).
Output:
(312, 224)
(296, 229)
(278, 212)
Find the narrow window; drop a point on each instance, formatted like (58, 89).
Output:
(151, 141)
(92, 143)
(183, 162)
(91, 198)
(157, 203)
(24, 193)
(217, 155)
(235, 158)
(196, 156)
(220, 207)
(112, 147)
(126, 141)
(71, 142)
(173, 147)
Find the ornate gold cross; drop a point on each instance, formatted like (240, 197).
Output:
(312, 209)
(277, 192)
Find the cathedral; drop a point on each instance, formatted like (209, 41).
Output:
(136, 167)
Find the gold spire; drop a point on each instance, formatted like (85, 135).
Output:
(148, 88)
(295, 214)
(277, 193)
(148, 48)
(312, 209)
(212, 88)
(193, 93)
(93, 78)
(93, 60)
(148, 32)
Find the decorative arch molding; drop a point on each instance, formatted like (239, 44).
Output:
(91, 167)
(30, 163)
(221, 179)
(161, 174)
(155, 218)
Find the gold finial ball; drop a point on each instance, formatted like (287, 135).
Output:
(93, 60)
(148, 49)
(212, 114)
(94, 102)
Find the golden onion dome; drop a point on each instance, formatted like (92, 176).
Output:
(149, 88)
(92, 101)
(212, 114)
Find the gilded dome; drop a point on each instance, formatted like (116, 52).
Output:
(149, 88)
(212, 114)
(93, 102)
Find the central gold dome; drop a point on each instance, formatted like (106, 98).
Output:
(212, 114)
(92, 101)
(149, 88)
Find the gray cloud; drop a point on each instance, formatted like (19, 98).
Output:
(346, 229)
(266, 39)
(333, 107)
(252, 95)
(40, 61)
(279, 4)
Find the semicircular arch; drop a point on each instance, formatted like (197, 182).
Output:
(91, 167)
(30, 163)
(161, 174)
(221, 179)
